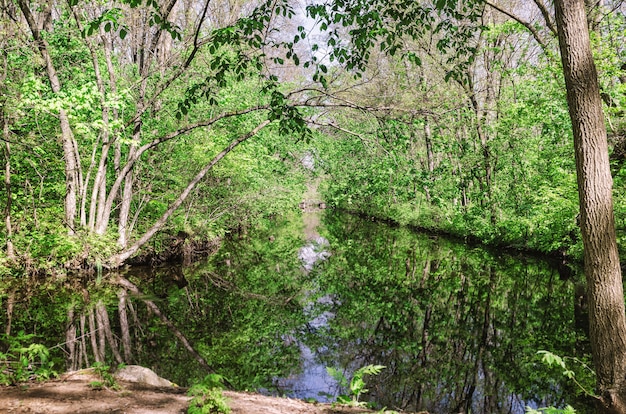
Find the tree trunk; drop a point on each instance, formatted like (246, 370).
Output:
(108, 50)
(70, 341)
(429, 156)
(602, 268)
(4, 119)
(70, 155)
(105, 327)
(98, 341)
(9, 195)
(92, 336)
(144, 67)
(126, 343)
(127, 197)
(83, 340)
(10, 303)
(98, 193)
(127, 193)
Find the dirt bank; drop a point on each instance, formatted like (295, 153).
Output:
(75, 395)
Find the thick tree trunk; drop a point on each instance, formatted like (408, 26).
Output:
(602, 268)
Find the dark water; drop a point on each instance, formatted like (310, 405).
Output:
(457, 327)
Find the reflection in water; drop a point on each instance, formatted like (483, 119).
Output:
(313, 382)
(457, 327)
(314, 252)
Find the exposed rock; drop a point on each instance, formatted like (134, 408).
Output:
(142, 375)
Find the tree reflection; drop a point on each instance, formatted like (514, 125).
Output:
(457, 327)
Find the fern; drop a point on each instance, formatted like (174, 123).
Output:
(356, 385)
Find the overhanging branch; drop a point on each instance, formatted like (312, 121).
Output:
(118, 259)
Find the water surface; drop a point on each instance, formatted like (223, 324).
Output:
(457, 327)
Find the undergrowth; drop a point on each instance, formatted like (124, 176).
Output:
(208, 397)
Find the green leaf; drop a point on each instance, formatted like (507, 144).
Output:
(552, 359)
(357, 385)
(344, 399)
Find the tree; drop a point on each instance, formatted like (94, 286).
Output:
(607, 320)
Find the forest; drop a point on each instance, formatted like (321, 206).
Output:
(144, 132)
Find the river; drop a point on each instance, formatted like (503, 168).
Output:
(457, 327)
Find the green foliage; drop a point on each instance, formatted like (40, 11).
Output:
(96, 385)
(528, 200)
(104, 372)
(551, 359)
(250, 289)
(25, 361)
(513, 186)
(110, 20)
(375, 25)
(390, 296)
(356, 385)
(207, 396)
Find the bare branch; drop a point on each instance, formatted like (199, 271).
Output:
(546, 16)
(524, 23)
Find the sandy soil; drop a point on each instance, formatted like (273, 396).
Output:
(74, 395)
